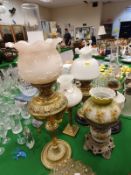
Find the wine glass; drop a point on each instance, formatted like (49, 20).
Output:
(25, 114)
(3, 133)
(2, 149)
(5, 123)
(16, 124)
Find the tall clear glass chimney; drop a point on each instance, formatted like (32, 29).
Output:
(32, 22)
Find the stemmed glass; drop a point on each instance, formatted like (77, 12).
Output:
(3, 133)
(25, 114)
(16, 124)
(5, 123)
(2, 149)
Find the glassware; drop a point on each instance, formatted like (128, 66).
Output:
(3, 133)
(114, 61)
(25, 114)
(26, 88)
(127, 106)
(29, 138)
(32, 22)
(4, 124)
(17, 126)
(2, 149)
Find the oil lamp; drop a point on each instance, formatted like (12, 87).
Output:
(40, 64)
(102, 112)
(85, 69)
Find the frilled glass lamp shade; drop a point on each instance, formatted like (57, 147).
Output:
(40, 64)
(85, 69)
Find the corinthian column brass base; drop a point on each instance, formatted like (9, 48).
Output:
(50, 105)
(71, 130)
(52, 155)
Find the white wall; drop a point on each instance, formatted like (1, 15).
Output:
(116, 12)
(18, 17)
(77, 15)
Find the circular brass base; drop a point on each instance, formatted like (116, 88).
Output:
(51, 156)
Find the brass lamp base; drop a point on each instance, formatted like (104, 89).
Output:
(71, 130)
(53, 155)
(105, 148)
(85, 88)
(47, 103)
(50, 105)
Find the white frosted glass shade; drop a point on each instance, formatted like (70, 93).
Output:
(39, 63)
(72, 93)
(83, 69)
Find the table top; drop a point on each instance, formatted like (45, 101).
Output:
(119, 163)
(65, 49)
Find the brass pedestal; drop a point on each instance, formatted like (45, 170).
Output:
(71, 129)
(52, 155)
(50, 105)
(85, 88)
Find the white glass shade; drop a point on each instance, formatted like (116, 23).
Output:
(72, 93)
(101, 31)
(85, 67)
(39, 63)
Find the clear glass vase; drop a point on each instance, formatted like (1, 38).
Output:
(32, 22)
